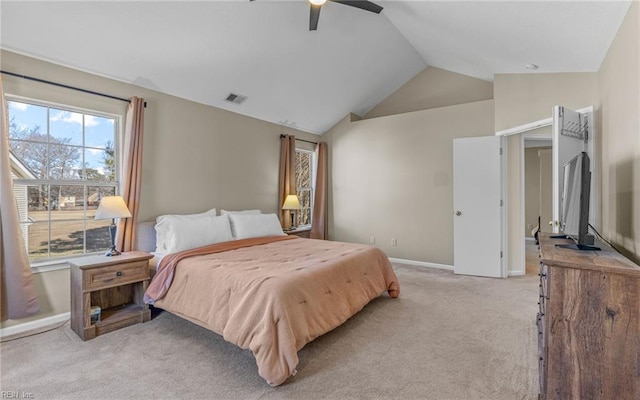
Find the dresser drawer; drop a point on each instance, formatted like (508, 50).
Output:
(114, 275)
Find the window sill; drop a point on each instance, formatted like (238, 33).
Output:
(38, 267)
(49, 266)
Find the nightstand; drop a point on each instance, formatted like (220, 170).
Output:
(116, 285)
(300, 232)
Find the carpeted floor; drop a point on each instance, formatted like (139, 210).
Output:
(445, 337)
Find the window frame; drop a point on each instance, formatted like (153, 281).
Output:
(58, 261)
(312, 188)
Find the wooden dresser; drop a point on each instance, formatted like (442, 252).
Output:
(588, 323)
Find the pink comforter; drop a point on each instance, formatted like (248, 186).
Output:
(273, 295)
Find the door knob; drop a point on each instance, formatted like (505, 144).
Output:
(458, 213)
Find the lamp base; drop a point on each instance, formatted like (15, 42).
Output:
(112, 252)
(112, 231)
(293, 218)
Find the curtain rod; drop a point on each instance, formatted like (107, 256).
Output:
(67, 86)
(302, 140)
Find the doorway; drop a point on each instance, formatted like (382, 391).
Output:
(538, 193)
(566, 141)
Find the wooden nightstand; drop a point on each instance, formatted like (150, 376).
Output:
(300, 232)
(115, 284)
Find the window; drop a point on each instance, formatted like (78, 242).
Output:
(62, 162)
(304, 185)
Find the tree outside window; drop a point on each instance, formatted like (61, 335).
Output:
(304, 186)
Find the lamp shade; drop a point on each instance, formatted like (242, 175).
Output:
(291, 203)
(112, 207)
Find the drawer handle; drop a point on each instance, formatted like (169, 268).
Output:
(119, 273)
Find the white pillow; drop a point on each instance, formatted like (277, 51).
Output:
(188, 233)
(255, 225)
(163, 223)
(223, 212)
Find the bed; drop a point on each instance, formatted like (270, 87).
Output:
(271, 294)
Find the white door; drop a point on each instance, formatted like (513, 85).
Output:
(568, 126)
(477, 219)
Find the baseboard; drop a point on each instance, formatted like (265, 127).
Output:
(530, 239)
(515, 273)
(33, 327)
(422, 264)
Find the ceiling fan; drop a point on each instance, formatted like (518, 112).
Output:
(316, 5)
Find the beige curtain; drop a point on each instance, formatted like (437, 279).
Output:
(287, 175)
(319, 225)
(132, 178)
(18, 296)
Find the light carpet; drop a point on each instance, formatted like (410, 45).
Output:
(445, 337)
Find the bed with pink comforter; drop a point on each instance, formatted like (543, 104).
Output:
(272, 295)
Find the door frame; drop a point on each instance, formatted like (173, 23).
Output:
(523, 129)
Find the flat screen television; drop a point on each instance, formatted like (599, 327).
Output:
(574, 207)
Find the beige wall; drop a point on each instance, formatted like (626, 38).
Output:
(432, 88)
(524, 98)
(195, 157)
(619, 92)
(391, 177)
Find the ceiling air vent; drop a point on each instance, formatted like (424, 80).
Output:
(236, 98)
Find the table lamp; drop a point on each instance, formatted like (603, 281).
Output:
(112, 207)
(292, 203)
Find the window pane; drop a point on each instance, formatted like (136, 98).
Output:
(305, 198)
(67, 202)
(98, 236)
(37, 202)
(304, 217)
(303, 169)
(67, 237)
(65, 127)
(26, 119)
(31, 158)
(38, 239)
(100, 165)
(65, 162)
(99, 131)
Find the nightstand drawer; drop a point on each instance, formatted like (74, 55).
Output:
(115, 275)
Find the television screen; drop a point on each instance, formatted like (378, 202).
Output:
(570, 214)
(574, 217)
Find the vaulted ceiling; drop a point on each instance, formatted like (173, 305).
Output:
(263, 49)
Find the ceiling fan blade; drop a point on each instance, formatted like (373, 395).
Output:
(314, 16)
(361, 4)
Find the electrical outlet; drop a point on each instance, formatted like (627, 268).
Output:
(372, 240)
(394, 242)
(529, 226)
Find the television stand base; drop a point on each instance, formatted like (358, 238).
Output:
(578, 247)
